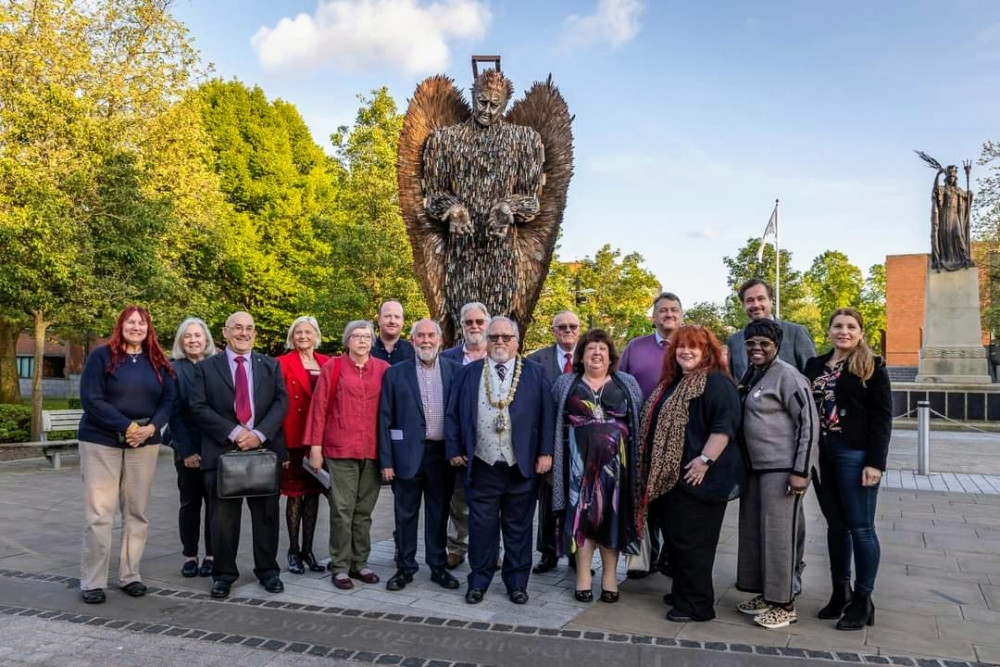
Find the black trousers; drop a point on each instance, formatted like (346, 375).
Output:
(226, 517)
(548, 524)
(691, 530)
(433, 483)
(500, 499)
(193, 496)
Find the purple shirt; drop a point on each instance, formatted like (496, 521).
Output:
(643, 359)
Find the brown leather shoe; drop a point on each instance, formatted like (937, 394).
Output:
(364, 575)
(454, 560)
(343, 582)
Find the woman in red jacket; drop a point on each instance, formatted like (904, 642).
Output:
(301, 369)
(342, 433)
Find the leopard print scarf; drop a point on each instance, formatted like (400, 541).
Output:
(661, 467)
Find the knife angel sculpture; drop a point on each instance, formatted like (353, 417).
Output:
(483, 192)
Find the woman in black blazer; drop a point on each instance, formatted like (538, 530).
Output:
(854, 399)
(192, 343)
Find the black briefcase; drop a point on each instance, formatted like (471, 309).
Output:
(255, 472)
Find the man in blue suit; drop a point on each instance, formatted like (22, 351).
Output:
(499, 426)
(411, 454)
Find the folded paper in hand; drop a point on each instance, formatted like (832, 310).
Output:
(323, 476)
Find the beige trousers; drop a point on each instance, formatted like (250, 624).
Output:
(122, 478)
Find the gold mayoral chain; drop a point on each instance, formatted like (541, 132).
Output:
(502, 422)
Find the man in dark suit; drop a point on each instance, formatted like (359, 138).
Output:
(411, 453)
(797, 346)
(500, 427)
(474, 318)
(238, 399)
(556, 359)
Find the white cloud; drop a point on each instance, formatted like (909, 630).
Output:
(707, 232)
(615, 22)
(358, 34)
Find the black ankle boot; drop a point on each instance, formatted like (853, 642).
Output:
(295, 563)
(838, 601)
(859, 612)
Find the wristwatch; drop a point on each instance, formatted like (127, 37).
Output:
(707, 461)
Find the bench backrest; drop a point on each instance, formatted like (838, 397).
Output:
(61, 420)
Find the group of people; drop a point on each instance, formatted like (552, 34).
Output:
(638, 454)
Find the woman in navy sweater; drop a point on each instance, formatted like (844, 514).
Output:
(127, 394)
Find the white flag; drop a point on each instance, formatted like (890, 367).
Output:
(770, 230)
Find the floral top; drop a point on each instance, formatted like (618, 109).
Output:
(823, 388)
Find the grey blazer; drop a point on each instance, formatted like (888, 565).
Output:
(551, 360)
(796, 348)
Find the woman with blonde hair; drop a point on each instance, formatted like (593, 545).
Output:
(851, 388)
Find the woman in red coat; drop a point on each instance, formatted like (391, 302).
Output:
(300, 368)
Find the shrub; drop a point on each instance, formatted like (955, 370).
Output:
(15, 422)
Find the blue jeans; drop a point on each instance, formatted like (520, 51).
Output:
(849, 509)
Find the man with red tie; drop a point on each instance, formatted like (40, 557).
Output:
(556, 359)
(239, 401)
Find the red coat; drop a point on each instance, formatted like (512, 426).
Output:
(299, 395)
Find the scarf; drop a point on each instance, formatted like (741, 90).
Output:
(662, 465)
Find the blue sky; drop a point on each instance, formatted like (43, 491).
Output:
(691, 118)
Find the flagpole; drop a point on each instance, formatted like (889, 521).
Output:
(777, 263)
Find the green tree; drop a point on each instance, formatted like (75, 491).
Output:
(986, 231)
(558, 294)
(711, 316)
(370, 256)
(81, 84)
(796, 304)
(834, 282)
(872, 306)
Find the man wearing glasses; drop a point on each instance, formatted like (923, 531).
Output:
(474, 317)
(499, 428)
(556, 359)
(797, 346)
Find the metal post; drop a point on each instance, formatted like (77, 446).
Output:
(923, 438)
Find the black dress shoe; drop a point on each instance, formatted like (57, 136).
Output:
(190, 568)
(295, 563)
(220, 589)
(519, 597)
(545, 565)
(677, 617)
(443, 578)
(310, 560)
(136, 589)
(273, 585)
(609, 596)
(584, 595)
(93, 596)
(474, 596)
(398, 581)
(207, 568)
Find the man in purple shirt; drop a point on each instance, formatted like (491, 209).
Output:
(643, 356)
(643, 359)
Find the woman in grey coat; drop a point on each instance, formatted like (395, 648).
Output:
(594, 464)
(781, 433)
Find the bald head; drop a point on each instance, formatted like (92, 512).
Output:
(239, 332)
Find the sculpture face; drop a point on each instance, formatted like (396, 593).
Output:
(952, 177)
(490, 105)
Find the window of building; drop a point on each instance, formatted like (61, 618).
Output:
(25, 367)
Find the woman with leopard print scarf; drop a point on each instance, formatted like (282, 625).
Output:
(688, 457)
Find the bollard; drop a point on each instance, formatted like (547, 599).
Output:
(923, 438)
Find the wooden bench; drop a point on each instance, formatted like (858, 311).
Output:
(52, 421)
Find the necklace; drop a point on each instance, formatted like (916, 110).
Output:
(134, 357)
(598, 393)
(502, 422)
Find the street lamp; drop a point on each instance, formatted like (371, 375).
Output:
(580, 297)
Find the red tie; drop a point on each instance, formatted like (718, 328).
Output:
(244, 413)
(568, 366)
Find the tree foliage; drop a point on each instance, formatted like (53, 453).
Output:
(872, 305)
(710, 315)
(834, 282)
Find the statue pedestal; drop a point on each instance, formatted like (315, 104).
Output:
(952, 350)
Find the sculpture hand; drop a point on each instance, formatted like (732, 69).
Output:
(459, 222)
(501, 218)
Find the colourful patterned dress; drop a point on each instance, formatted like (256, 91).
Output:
(598, 431)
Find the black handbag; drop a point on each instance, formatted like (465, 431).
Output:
(248, 474)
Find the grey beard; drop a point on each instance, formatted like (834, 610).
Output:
(427, 355)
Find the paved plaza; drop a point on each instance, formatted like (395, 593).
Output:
(937, 597)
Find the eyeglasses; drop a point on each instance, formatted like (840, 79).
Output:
(566, 327)
(469, 323)
(759, 344)
(496, 338)
(360, 337)
(239, 328)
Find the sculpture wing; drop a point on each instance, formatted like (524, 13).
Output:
(544, 109)
(436, 103)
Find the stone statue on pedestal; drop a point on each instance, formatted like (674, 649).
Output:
(951, 208)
